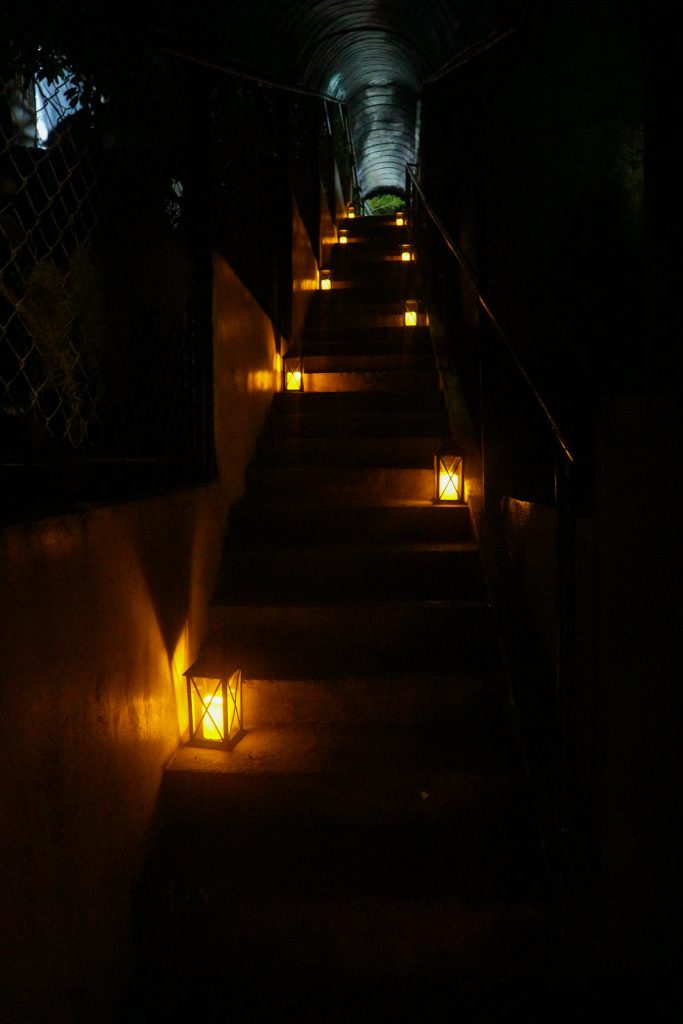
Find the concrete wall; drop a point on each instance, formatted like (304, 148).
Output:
(304, 276)
(101, 613)
(534, 157)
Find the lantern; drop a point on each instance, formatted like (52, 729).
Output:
(325, 280)
(400, 219)
(343, 236)
(294, 373)
(214, 703)
(350, 211)
(406, 253)
(410, 313)
(448, 476)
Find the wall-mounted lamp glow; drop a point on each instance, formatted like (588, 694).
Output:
(343, 236)
(406, 253)
(448, 476)
(294, 373)
(350, 211)
(214, 703)
(400, 219)
(410, 313)
(325, 280)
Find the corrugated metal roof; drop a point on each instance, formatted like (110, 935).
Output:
(373, 54)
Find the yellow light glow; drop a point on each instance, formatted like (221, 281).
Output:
(350, 213)
(343, 237)
(212, 723)
(215, 706)
(449, 485)
(293, 380)
(410, 313)
(399, 220)
(325, 280)
(406, 255)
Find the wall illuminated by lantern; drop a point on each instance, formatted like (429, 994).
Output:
(102, 612)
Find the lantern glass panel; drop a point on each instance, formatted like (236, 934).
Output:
(448, 477)
(410, 313)
(215, 709)
(294, 376)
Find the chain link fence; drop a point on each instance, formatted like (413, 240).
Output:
(103, 359)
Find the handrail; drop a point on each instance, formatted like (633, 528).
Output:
(273, 84)
(485, 305)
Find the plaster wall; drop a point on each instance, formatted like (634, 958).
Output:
(101, 613)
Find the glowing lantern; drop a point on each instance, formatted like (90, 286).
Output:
(350, 211)
(214, 703)
(448, 476)
(406, 253)
(325, 280)
(410, 313)
(400, 219)
(343, 236)
(294, 373)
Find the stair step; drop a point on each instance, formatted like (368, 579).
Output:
(357, 402)
(340, 483)
(366, 906)
(366, 317)
(342, 573)
(371, 340)
(321, 424)
(477, 700)
(396, 523)
(356, 777)
(352, 451)
(369, 380)
(334, 359)
(319, 641)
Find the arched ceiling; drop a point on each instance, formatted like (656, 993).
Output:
(372, 54)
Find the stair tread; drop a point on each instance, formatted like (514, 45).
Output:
(355, 751)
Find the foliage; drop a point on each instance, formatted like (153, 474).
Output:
(385, 204)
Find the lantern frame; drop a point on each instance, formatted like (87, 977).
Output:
(293, 373)
(407, 253)
(449, 473)
(350, 211)
(343, 236)
(215, 706)
(325, 282)
(400, 220)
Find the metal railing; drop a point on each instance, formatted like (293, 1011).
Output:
(102, 360)
(493, 346)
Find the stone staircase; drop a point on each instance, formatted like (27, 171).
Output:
(369, 844)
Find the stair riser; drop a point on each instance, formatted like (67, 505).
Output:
(375, 342)
(340, 483)
(373, 524)
(333, 641)
(341, 575)
(409, 451)
(221, 799)
(350, 425)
